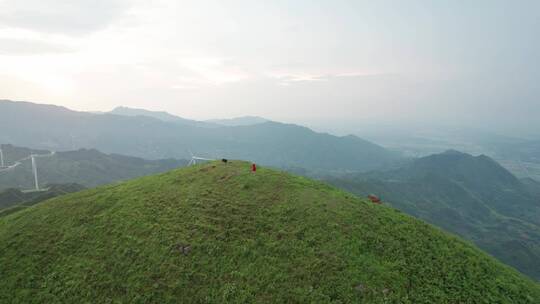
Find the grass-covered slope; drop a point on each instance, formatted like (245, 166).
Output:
(472, 196)
(219, 233)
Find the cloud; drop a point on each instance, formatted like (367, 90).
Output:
(290, 78)
(69, 17)
(339, 59)
(16, 47)
(200, 71)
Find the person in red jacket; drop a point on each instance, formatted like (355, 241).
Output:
(374, 199)
(253, 168)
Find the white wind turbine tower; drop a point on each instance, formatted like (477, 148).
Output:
(34, 169)
(194, 159)
(32, 157)
(34, 166)
(2, 165)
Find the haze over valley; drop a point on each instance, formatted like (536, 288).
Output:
(269, 152)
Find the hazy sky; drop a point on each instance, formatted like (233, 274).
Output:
(314, 62)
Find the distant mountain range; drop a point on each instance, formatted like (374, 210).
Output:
(269, 143)
(87, 167)
(471, 196)
(161, 115)
(521, 156)
(211, 123)
(239, 121)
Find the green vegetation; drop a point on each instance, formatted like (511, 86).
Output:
(218, 233)
(473, 197)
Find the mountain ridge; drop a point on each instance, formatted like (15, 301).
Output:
(161, 115)
(239, 121)
(88, 167)
(472, 196)
(269, 143)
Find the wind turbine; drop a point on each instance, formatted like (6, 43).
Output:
(34, 166)
(194, 159)
(32, 157)
(34, 169)
(1, 158)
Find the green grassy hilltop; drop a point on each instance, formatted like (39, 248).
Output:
(218, 233)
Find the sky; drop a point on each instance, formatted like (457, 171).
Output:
(329, 64)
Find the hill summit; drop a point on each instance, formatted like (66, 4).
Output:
(219, 233)
(472, 196)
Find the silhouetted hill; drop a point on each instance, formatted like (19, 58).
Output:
(218, 233)
(87, 167)
(472, 196)
(270, 143)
